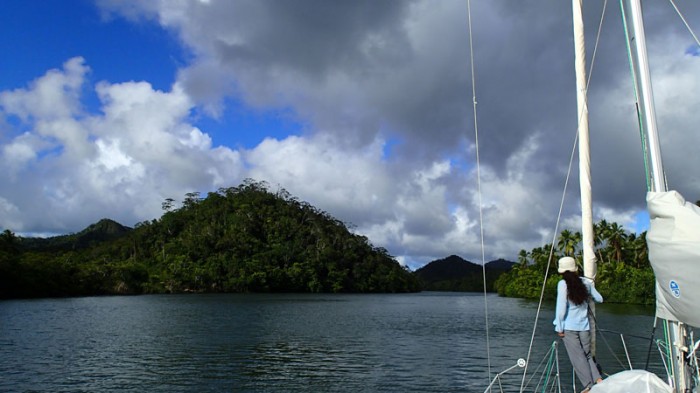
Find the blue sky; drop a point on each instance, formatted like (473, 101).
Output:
(47, 33)
(363, 109)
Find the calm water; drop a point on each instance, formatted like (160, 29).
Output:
(427, 342)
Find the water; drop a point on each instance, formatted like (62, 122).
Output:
(427, 342)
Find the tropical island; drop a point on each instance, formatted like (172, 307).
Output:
(238, 239)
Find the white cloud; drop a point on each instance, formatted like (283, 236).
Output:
(19, 152)
(351, 184)
(71, 168)
(53, 96)
(11, 215)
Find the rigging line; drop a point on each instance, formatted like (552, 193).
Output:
(549, 261)
(541, 370)
(478, 184)
(607, 344)
(616, 332)
(651, 343)
(684, 21)
(595, 47)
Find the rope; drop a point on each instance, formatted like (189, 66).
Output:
(595, 48)
(684, 22)
(478, 182)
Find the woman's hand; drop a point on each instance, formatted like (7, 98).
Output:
(560, 334)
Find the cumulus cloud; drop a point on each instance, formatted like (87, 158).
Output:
(70, 168)
(384, 90)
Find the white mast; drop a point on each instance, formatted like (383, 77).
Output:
(584, 156)
(645, 100)
(675, 331)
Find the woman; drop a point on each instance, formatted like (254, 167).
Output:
(571, 320)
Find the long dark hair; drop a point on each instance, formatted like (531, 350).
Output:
(577, 291)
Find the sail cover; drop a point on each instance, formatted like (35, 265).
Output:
(674, 252)
(632, 381)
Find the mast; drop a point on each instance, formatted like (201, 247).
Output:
(645, 100)
(584, 156)
(675, 331)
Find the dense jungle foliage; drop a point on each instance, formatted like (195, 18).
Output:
(624, 273)
(239, 239)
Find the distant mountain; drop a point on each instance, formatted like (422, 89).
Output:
(457, 274)
(500, 264)
(102, 231)
(447, 268)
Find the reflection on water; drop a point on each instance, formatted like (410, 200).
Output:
(428, 342)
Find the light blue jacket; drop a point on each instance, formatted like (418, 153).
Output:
(569, 316)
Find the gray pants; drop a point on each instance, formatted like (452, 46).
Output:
(578, 346)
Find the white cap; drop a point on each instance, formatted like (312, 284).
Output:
(567, 264)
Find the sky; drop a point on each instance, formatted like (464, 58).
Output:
(364, 109)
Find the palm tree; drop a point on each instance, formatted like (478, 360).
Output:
(600, 229)
(568, 243)
(577, 238)
(640, 250)
(539, 257)
(523, 258)
(548, 250)
(616, 237)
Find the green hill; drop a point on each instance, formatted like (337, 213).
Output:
(101, 231)
(239, 239)
(456, 274)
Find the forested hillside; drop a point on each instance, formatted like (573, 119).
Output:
(239, 239)
(456, 274)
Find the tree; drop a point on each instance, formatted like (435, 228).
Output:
(168, 204)
(523, 258)
(568, 243)
(640, 252)
(616, 237)
(191, 199)
(600, 229)
(540, 257)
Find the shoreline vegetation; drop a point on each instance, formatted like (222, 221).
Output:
(624, 272)
(249, 239)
